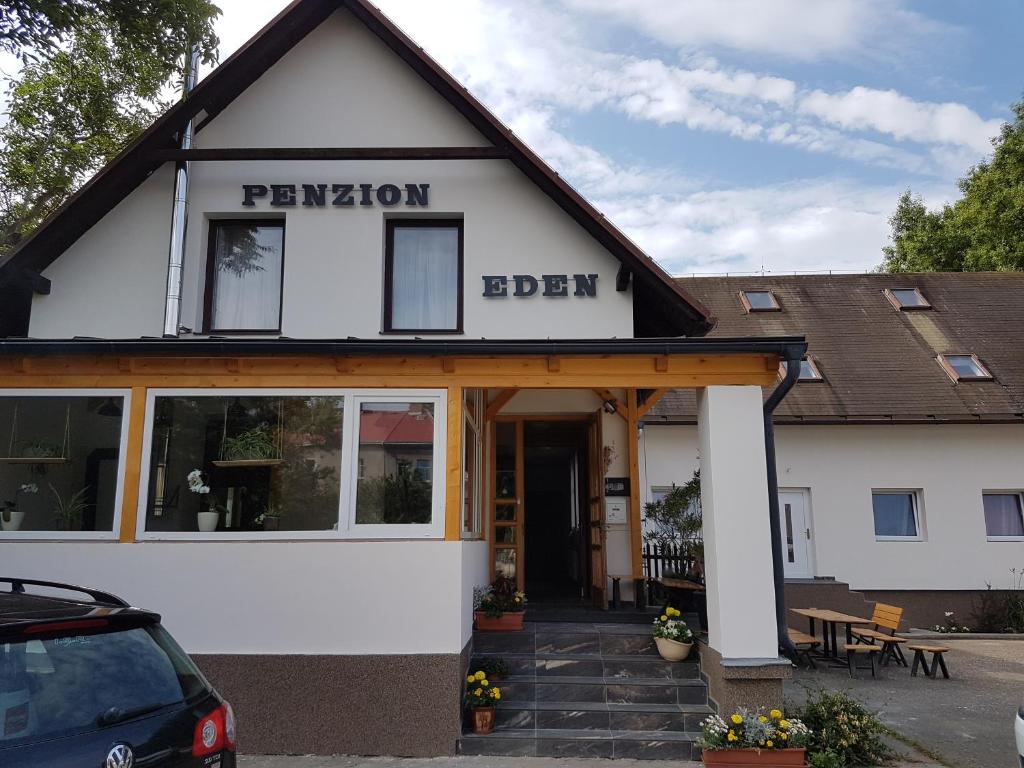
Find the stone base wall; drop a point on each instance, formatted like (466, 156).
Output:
(733, 684)
(406, 705)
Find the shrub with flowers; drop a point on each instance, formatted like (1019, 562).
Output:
(951, 625)
(670, 627)
(479, 691)
(500, 597)
(746, 729)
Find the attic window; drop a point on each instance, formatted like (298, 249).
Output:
(907, 298)
(808, 370)
(759, 301)
(964, 368)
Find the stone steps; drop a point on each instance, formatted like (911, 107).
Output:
(526, 666)
(636, 745)
(580, 715)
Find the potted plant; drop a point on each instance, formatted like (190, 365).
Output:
(270, 519)
(481, 700)
(673, 638)
(753, 739)
(11, 517)
(495, 669)
(499, 607)
(67, 513)
(206, 519)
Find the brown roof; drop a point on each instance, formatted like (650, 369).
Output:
(662, 306)
(880, 364)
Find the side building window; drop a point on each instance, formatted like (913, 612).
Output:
(1003, 515)
(897, 514)
(423, 281)
(244, 276)
(61, 461)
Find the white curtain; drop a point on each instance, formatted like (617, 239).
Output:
(425, 278)
(894, 514)
(247, 279)
(1003, 514)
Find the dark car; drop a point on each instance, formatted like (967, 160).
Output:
(95, 682)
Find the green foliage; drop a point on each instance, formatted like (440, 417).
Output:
(400, 497)
(67, 513)
(677, 519)
(493, 667)
(841, 725)
(998, 611)
(983, 230)
(827, 759)
(256, 443)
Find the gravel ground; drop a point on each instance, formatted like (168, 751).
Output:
(966, 720)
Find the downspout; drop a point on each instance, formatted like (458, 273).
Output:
(179, 215)
(793, 355)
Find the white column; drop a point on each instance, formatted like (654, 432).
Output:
(737, 538)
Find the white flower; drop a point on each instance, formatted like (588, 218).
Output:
(29, 488)
(204, 489)
(948, 614)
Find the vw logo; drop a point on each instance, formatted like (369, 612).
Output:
(120, 756)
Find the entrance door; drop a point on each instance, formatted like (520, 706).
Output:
(796, 534)
(595, 511)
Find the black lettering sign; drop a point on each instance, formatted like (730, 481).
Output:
(252, 191)
(282, 194)
(416, 194)
(314, 194)
(586, 285)
(526, 285)
(389, 194)
(342, 194)
(366, 189)
(555, 285)
(495, 285)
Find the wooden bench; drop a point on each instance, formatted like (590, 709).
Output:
(884, 617)
(853, 650)
(937, 660)
(805, 645)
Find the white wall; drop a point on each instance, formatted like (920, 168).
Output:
(383, 597)
(951, 464)
(338, 87)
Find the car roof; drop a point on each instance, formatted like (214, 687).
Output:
(20, 609)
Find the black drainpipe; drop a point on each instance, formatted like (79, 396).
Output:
(793, 355)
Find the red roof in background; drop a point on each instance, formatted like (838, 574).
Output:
(395, 427)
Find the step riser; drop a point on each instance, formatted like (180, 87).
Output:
(606, 748)
(582, 720)
(545, 642)
(611, 693)
(597, 668)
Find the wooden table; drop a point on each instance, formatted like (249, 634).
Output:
(828, 620)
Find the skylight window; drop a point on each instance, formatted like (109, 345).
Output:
(808, 370)
(759, 301)
(907, 298)
(964, 368)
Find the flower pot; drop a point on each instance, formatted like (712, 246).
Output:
(271, 523)
(483, 719)
(12, 519)
(507, 622)
(672, 650)
(207, 521)
(756, 758)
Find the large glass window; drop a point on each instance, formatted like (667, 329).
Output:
(423, 276)
(1003, 517)
(896, 514)
(60, 458)
(243, 463)
(243, 278)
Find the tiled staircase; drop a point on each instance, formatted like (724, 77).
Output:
(586, 689)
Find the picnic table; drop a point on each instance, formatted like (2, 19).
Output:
(829, 620)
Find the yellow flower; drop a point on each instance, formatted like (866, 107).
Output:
(519, 599)
(736, 719)
(769, 743)
(784, 724)
(471, 679)
(732, 736)
(496, 693)
(776, 714)
(484, 683)
(480, 676)
(762, 719)
(664, 617)
(477, 692)
(783, 736)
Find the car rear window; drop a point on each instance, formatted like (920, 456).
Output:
(73, 683)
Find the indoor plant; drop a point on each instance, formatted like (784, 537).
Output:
(252, 445)
(270, 519)
(11, 517)
(206, 519)
(499, 607)
(481, 699)
(754, 740)
(67, 513)
(673, 638)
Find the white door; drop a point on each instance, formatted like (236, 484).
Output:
(796, 534)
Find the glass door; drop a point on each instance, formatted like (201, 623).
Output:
(507, 482)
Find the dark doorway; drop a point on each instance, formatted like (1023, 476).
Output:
(555, 464)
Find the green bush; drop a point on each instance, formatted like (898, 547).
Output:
(843, 732)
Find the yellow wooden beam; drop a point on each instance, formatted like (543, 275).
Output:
(635, 522)
(499, 402)
(133, 464)
(651, 401)
(453, 467)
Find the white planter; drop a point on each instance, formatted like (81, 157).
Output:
(17, 518)
(208, 521)
(672, 650)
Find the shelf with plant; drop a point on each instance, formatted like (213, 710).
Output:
(256, 447)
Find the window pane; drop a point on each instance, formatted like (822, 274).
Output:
(1003, 514)
(247, 276)
(266, 463)
(965, 366)
(894, 514)
(425, 278)
(760, 299)
(909, 297)
(807, 370)
(505, 563)
(396, 444)
(59, 462)
(470, 478)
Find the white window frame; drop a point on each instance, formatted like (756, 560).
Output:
(122, 454)
(476, 426)
(1001, 492)
(918, 502)
(348, 473)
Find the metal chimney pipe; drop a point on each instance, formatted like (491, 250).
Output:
(179, 215)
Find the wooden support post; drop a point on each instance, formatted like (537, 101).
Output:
(635, 523)
(453, 484)
(133, 464)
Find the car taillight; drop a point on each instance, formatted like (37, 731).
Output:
(215, 732)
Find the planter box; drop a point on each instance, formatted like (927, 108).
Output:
(672, 650)
(507, 622)
(756, 758)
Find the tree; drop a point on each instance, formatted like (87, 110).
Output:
(94, 77)
(983, 230)
(677, 519)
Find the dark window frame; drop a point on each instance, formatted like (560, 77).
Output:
(777, 307)
(955, 375)
(890, 294)
(211, 275)
(389, 274)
